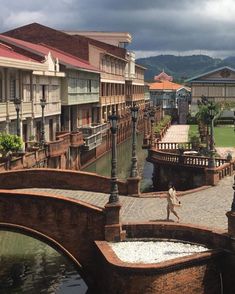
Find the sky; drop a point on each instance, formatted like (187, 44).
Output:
(179, 27)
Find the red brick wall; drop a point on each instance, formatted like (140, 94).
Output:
(74, 225)
(197, 274)
(60, 179)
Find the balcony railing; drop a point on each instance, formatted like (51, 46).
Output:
(92, 135)
(89, 130)
(76, 139)
(92, 142)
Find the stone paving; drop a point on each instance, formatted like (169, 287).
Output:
(206, 208)
(176, 133)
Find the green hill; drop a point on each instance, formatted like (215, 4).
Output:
(182, 67)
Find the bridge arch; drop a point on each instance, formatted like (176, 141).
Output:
(71, 226)
(41, 237)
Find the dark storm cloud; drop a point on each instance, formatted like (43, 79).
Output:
(156, 25)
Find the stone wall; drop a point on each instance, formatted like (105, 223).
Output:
(202, 273)
(58, 179)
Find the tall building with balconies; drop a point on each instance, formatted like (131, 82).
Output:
(121, 80)
(28, 77)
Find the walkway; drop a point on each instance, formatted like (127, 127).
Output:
(176, 133)
(206, 208)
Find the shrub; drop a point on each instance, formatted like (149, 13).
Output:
(161, 125)
(9, 143)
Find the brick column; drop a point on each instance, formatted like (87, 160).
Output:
(231, 217)
(212, 176)
(113, 229)
(133, 186)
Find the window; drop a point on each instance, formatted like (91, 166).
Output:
(89, 86)
(12, 87)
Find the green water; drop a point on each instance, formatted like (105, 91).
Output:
(29, 266)
(102, 166)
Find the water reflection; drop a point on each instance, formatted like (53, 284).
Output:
(102, 166)
(30, 266)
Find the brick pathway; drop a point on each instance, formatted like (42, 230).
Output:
(223, 151)
(176, 133)
(207, 207)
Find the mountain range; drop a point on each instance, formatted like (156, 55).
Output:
(182, 67)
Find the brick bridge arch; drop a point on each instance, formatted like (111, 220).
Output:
(70, 226)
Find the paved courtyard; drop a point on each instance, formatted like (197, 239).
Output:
(176, 133)
(207, 207)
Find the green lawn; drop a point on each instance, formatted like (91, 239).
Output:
(224, 136)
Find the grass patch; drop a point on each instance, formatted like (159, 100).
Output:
(224, 135)
(193, 131)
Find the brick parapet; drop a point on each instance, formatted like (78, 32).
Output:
(60, 179)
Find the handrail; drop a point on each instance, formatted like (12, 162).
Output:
(173, 145)
(190, 160)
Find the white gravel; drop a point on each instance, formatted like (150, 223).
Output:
(153, 251)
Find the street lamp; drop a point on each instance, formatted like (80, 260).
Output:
(134, 116)
(212, 147)
(43, 104)
(17, 102)
(152, 120)
(233, 203)
(113, 198)
(234, 120)
(146, 116)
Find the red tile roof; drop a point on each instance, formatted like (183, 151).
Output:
(8, 52)
(42, 49)
(163, 77)
(165, 85)
(76, 45)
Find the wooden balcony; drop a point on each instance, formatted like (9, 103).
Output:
(114, 99)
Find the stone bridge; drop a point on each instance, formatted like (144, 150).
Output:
(70, 226)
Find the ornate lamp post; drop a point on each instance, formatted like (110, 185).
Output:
(134, 116)
(113, 198)
(233, 203)
(43, 104)
(234, 120)
(152, 120)
(212, 148)
(17, 102)
(146, 128)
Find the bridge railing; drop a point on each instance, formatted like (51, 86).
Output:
(190, 160)
(173, 145)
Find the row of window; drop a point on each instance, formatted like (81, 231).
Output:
(109, 89)
(214, 91)
(82, 86)
(112, 66)
(51, 92)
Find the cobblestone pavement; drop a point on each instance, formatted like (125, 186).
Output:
(207, 207)
(223, 151)
(176, 133)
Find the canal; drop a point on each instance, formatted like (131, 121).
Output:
(102, 166)
(30, 266)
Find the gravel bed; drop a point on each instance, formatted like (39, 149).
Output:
(153, 251)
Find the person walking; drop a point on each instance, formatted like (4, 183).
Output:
(172, 202)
